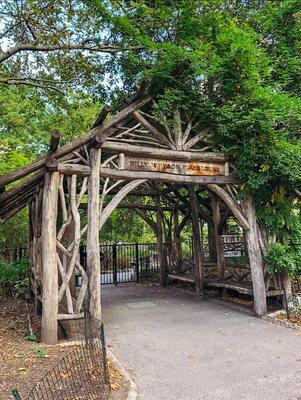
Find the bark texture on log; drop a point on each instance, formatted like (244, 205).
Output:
(197, 248)
(93, 256)
(71, 169)
(113, 204)
(287, 283)
(177, 244)
(165, 177)
(211, 243)
(176, 155)
(255, 258)
(49, 259)
(160, 245)
(217, 237)
(228, 200)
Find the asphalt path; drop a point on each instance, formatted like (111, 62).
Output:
(178, 348)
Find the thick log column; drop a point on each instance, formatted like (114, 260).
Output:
(161, 251)
(49, 259)
(177, 241)
(287, 283)
(255, 258)
(93, 256)
(31, 208)
(217, 237)
(197, 248)
(286, 286)
(211, 243)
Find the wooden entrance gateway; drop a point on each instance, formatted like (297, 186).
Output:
(73, 189)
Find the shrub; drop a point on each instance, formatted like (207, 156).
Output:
(14, 278)
(280, 257)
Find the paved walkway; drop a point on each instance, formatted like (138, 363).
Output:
(178, 348)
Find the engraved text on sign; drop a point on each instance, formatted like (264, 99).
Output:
(133, 163)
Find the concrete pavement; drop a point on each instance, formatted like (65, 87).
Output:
(178, 348)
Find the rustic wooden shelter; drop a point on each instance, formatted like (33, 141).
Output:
(73, 189)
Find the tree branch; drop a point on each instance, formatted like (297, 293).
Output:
(197, 138)
(39, 83)
(53, 47)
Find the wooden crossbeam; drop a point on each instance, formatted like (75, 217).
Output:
(176, 155)
(162, 177)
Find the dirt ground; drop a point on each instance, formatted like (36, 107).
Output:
(23, 361)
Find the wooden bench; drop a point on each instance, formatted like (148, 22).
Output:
(240, 287)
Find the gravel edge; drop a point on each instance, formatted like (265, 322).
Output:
(272, 318)
(133, 389)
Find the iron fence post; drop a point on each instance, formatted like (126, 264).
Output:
(104, 354)
(15, 394)
(115, 263)
(137, 261)
(85, 308)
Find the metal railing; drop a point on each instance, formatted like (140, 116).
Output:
(125, 262)
(81, 374)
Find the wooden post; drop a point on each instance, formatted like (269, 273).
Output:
(49, 259)
(287, 283)
(70, 236)
(211, 243)
(160, 247)
(218, 238)
(177, 241)
(93, 255)
(162, 258)
(197, 248)
(286, 286)
(255, 258)
(37, 249)
(31, 208)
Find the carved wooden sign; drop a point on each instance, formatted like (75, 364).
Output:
(134, 163)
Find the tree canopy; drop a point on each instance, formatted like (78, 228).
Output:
(243, 81)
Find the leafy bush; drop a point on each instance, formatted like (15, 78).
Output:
(14, 278)
(282, 220)
(279, 257)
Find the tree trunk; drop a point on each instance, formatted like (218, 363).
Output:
(177, 241)
(49, 259)
(31, 208)
(211, 244)
(93, 256)
(197, 248)
(70, 236)
(160, 247)
(218, 238)
(255, 258)
(287, 284)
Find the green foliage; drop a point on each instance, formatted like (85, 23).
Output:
(236, 82)
(57, 25)
(32, 338)
(28, 118)
(14, 232)
(126, 226)
(279, 258)
(283, 221)
(243, 82)
(14, 278)
(39, 351)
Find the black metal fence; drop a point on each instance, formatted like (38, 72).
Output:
(121, 263)
(234, 246)
(82, 374)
